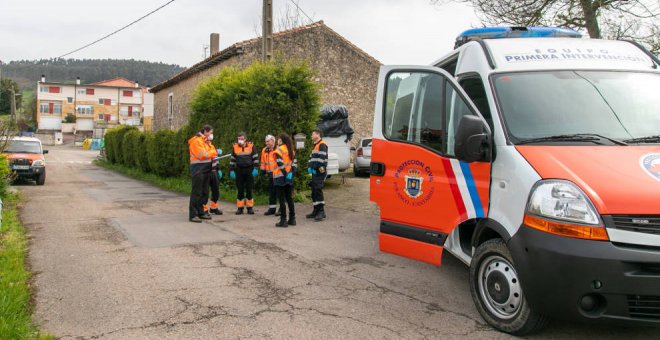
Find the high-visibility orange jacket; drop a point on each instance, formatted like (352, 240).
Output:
(243, 156)
(213, 152)
(199, 150)
(268, 162)
(284, 165)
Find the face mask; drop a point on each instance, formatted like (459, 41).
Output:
(210, 137)
(241, 142)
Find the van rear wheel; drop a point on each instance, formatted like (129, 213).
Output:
(497, 292)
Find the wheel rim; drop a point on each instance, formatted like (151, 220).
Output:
(499, 287)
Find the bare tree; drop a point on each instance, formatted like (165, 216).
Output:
(291, 16)
(611, 19)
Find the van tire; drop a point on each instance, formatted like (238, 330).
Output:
(497, 293)
(41, 179)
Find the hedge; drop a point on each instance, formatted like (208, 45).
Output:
(264, 98)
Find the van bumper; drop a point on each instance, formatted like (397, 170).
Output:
(574, 279)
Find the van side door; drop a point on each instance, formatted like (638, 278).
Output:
(422, 189)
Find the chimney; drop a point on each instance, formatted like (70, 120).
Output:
(215, 43)
(77, 80)
(137, 84)
(43, 78)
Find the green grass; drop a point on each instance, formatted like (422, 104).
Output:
(178, 184)
(15, 307)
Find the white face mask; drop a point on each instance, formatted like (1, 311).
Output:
(241, 142)
(210, 137)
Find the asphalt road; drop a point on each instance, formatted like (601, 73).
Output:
(116, 258)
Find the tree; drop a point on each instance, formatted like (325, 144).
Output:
(610, 19)
(6, 87)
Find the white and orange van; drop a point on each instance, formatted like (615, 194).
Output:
(533, 156)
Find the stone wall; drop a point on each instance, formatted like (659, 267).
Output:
(347, 75)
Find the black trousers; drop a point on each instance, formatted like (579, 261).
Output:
(215, 186)
(285, 195)
(244, 183)
(317, 189)
(199, 193)
(272, 193)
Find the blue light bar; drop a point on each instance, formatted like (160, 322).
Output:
(515, 32)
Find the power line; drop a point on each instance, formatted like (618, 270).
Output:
(117, 31)
(301, 10)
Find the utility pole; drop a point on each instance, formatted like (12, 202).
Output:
(13, 105)
(267, 30)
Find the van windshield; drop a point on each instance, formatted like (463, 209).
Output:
(617, 106)
(22, 146)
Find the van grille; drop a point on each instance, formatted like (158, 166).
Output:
(20, 162)
(644, 307)
(649, 224)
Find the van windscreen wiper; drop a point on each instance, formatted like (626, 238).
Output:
(647, 139)
(577, 137)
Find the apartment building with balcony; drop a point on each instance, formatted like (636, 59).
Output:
(103, 104)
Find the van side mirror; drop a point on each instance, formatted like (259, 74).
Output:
(472, 142)
(45, 151)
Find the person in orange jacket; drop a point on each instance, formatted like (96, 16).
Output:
(243, 168)
(285, 157)
(200, 170)
(214, 179)
(267, 166)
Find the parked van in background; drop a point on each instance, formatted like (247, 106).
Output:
(533, 156)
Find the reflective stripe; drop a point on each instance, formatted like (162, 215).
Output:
(321, 153)
(250, 203)
(272, 206)
(317, 203)
(319, 160)
(200, 162)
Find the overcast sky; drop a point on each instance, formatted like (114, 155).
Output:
(393, 31)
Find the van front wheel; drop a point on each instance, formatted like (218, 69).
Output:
(497, 292)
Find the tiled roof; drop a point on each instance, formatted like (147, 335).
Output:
(237, 49)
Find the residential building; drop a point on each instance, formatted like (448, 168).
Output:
(347, 74)
(103, 104)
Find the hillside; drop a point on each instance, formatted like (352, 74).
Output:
(28, 72)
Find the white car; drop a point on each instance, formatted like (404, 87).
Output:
(362, 157)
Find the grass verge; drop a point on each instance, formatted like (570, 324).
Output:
(15, 308)
(179, 184)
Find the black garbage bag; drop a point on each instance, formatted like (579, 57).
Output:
(334, 121)
(333, 112)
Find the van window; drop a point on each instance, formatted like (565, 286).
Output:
(456, 108)
(474, 88)
(618, 105)
(414, 110)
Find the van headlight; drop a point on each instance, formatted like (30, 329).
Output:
(561, 208)
(38, 162)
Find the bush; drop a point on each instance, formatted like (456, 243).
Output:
(114, 140)
(265, 98)
(133, 148)
(5, 174)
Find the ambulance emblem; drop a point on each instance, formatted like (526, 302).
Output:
(651, 163)
(414, 182)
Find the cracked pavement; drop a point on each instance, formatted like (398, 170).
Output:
(115, 258)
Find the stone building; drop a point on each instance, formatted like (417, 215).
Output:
(348, 75)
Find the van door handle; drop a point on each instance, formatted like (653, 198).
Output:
(377, 169)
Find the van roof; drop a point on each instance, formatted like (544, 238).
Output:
(28, 139)
(525, 54)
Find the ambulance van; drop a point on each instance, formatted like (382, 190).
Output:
(533, 156)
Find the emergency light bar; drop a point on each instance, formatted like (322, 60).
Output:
(515, 32)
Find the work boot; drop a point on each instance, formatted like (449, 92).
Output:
(206, 217)
(270, 211)
(313, 213)
(195, 219)
(292, 220)
(216, 211)
(320, 216)
(239, 211)
(250, 211)
(282, 223)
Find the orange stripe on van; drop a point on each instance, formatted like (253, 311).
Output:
(415, 250)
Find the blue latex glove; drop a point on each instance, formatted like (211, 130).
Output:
(219, 152)
(232, 174)
(255, 172)
(313, 172)
(219, 174)
(289, 176)
(309, 171)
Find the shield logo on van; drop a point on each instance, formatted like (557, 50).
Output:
(651, 163)
(414, 181)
